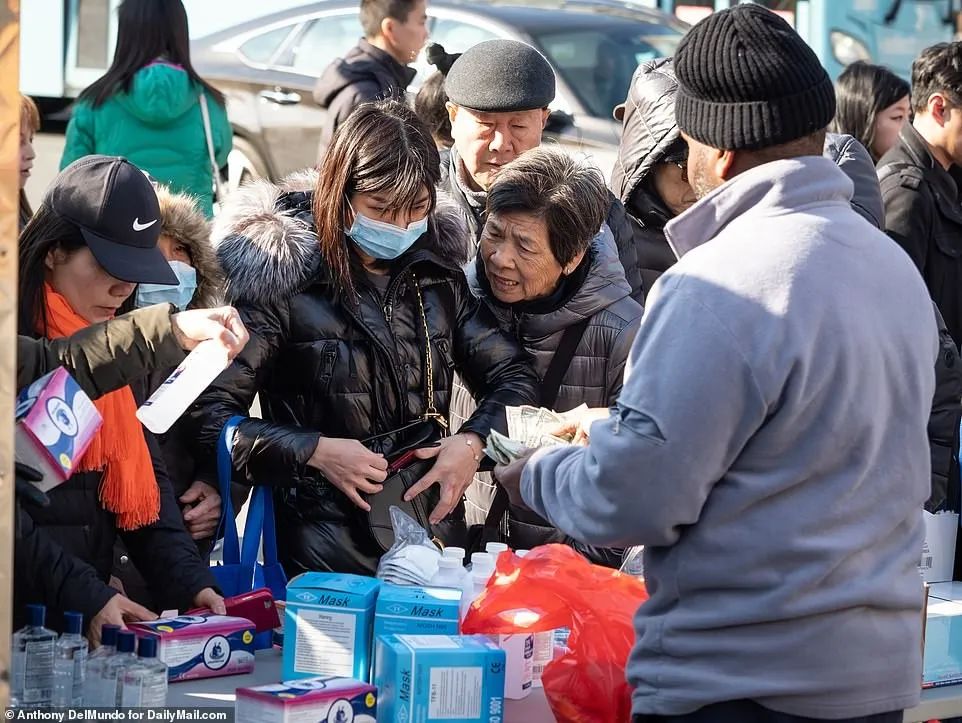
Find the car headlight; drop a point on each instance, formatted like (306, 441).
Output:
(848, 49)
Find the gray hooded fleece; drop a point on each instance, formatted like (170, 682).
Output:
(769, 447)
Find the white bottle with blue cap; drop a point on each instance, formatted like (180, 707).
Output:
(69, 663)
(145, 682)
(31, 664)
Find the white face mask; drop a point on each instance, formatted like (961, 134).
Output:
(179, 295)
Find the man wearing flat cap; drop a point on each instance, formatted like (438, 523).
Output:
(769, 443)
(498, 97)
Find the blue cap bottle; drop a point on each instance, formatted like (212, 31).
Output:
(126, 641)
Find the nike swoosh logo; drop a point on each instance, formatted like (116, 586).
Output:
(138, 226)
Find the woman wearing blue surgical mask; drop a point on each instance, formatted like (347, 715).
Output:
(350, 282)
(185, 243)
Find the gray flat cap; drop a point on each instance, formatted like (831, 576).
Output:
(501, 76)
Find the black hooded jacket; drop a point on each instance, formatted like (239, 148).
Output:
(366, 73)
(324, 365)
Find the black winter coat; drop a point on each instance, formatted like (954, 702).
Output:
(325, 366)
(75, 535)
(617, 222)
(364, 74)
(923, 214)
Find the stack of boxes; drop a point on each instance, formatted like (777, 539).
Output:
(404, 640)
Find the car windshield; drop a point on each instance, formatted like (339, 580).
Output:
(597, 61)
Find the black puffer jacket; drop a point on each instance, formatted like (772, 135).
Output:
(324, 366)
(617, 223)
(649, 130)
(78, 531)
(364, 74)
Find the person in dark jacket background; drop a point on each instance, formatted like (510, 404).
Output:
(80, 259)
(343, 277)
(920, 179)
(377, 68)
(498, 97)
(543, 273)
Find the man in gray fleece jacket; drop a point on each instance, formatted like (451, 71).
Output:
(769, 445)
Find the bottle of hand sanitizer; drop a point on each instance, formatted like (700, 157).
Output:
(94, 683)
(116, 665)
(69, 664)
(193, 376)
(145, 682)
(31, 664)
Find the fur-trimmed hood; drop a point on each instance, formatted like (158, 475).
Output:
(267, 245)
(182, 219)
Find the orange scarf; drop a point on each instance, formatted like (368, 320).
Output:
(129, 487)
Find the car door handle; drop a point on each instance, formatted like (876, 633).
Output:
(281, 97)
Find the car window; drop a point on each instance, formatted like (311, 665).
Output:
(457, 36)
(261, 48)
(324, 40)
(598, 62)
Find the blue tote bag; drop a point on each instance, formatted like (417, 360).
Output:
(240, 571)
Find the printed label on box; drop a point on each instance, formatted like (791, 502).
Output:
(455, 692)
(325, 642)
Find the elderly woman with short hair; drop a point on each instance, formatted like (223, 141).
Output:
(553, 281)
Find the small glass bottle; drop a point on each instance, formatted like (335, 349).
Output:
(94, 683)
(69, 663)
(31, 664)
(145, 682)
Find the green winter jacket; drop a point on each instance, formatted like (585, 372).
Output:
(158, 127)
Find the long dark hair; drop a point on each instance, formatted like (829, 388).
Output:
(46, 232)
(381, 148)
(862, 92)
(146, 30)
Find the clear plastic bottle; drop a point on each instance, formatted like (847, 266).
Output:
(31, 664)
(69, 663)
(183, 386)
(482, 562)
(543, 645)
(116, 665)
(495, 548)
(456, 553)
(94, 683)
(145, 682)
(448, 574)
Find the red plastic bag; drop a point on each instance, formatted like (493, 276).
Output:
(555, 587)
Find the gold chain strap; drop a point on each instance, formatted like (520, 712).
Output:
(432, 411)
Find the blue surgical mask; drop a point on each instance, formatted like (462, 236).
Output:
(179, 295)
(384, 240)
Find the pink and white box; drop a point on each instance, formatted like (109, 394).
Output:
(56, 422)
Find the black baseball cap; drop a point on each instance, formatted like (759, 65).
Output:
(115, 206)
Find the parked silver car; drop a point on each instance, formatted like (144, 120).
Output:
(267, 68)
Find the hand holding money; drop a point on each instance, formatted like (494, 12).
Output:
(577, 423)
(529, 428)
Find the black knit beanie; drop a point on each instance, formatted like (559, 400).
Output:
(746, 80)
